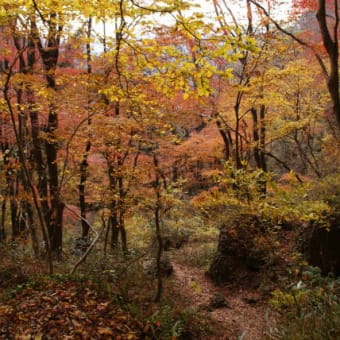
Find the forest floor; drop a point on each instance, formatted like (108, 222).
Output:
(60, 308)
(244, 315)
(53, 309)
(63, 307)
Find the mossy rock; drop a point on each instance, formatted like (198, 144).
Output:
(320, 245)
(241, 247)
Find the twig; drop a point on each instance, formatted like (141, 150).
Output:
(88, 250)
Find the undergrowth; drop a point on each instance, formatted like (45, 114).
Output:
(309, 308)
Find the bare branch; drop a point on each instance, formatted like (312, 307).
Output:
(294, 37)
(88, 250)
(284, 164)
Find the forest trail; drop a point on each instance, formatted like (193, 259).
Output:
(244, 318)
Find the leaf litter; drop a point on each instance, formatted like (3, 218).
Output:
(66, 310)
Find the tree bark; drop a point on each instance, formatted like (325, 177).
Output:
(84, 164)
(157, 211)
(331, 45)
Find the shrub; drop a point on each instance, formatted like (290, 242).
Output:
(167, 326)
(196, 254)
(310, 308)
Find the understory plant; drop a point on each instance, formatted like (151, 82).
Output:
(308, 308)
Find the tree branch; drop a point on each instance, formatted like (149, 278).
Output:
(294, 37)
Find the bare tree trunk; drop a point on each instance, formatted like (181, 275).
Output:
(3, 219)
(14, 212)
(49, 56)
(29, 220)
(237, 151)
(84, 164)
(122, 231)
(331, 43)
(113, 222)
(113, 219)
(263, 138)
(33, 189)
(224, 138)
(259, 137)
(157, 211)
(121, 211)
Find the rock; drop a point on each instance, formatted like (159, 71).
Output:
(166, 267)
(255, 260)
(320, 245)
(222, 268)
(250, 301)
(218, 301)
(240, 249)
(175, 240)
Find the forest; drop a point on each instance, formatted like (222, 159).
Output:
(169, 169)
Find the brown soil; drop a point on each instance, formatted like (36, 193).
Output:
(245, 316)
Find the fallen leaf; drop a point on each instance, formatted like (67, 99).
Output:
(53, 331)
(47, 299)
(102, 306)
(4, 309)
(90, 303)
(104, 331)
(22, 317)
(76, 323)
(132, 336)
(79, 314)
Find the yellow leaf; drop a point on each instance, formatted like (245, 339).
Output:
(196, 287)
(5, 309)
(185, 96)
(131, 336)
(104, 331)
(22, 317)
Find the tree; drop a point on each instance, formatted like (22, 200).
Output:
(36, 31)
(329, 31)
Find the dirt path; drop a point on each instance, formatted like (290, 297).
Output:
(244, 318)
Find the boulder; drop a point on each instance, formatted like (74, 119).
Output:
(240, 248)
(150, 266)
(218, 301)
(175, 241)
(81, 245)
(320, 245)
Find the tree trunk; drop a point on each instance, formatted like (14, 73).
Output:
(114, 229)
(29, 219)
(224, 138)
(237, 150)
(259, 137)
(14, 213)
(56, 207)
(3, 218)
(84, 164)
(81, 189)
(49, 56)
(121, 211)
(123, 234)
(157, 211)
(331, 44)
